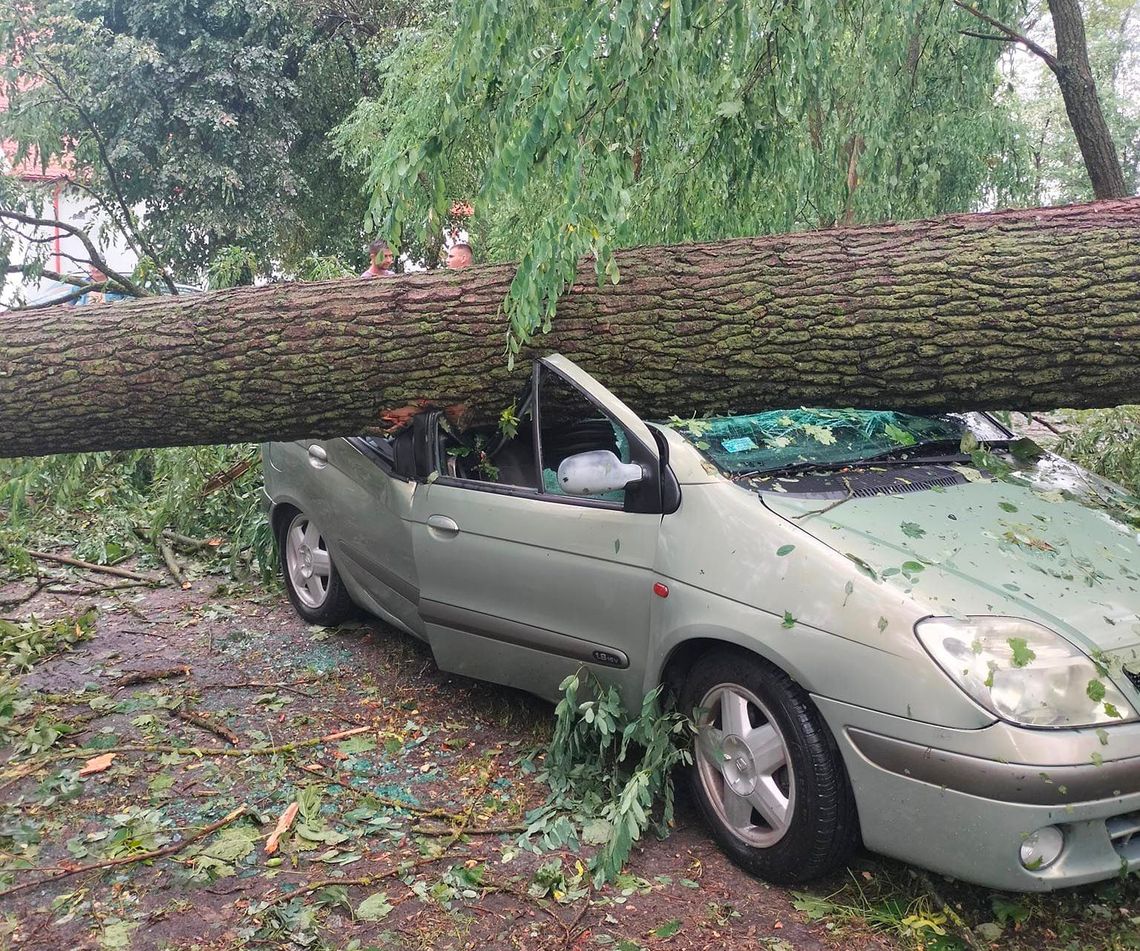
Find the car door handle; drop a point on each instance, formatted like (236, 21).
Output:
(442, 527)
(318, 458)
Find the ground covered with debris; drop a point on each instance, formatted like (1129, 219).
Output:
(195, 768)
(198, 768)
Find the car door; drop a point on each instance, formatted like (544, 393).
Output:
(363, 507)
(522, 584)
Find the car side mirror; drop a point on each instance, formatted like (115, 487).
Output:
(592, 473)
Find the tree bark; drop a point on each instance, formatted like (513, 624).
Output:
(1014, 309)
(1078, 88)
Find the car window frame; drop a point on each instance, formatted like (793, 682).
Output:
(650, 485)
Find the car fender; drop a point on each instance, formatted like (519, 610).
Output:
(907, 685)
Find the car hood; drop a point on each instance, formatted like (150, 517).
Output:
(1045, 545)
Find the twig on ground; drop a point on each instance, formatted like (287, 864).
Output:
(476, 830)
(172, 564)
(207, 750)
(193, 544)
(1048, 425)
(136, 630)
(398, 871)
(130, 859)
(40, 584)
(96, 589)
(89, 566)
(146, 676)
(205, 723)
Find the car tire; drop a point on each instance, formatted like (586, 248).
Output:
(314, 585)
(774, 793)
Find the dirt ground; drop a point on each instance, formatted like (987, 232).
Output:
(222, 708)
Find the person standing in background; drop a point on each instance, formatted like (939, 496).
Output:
(380, 260)
(459, 256)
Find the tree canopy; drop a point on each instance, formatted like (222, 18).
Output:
(575, 129)
(197, 128)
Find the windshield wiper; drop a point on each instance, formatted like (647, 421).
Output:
(909, 454)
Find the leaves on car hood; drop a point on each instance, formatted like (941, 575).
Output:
(1050, 544)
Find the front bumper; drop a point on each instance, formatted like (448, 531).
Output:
(961, 802)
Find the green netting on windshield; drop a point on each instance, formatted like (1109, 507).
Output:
(780, 438)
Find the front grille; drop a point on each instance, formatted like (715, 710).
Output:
(895, 488)
(1124, 831)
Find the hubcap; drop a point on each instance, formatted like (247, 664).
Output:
(744, 766)
(307, 562)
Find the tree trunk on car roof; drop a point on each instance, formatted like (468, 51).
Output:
(1014, 309)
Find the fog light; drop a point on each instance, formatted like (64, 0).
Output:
(1040, 849)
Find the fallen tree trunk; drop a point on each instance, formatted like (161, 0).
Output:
(1014, 309)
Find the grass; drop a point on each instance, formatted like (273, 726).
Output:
(922, 911)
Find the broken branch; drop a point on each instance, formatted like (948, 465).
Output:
(130, 859)
(205, 723)
(146, 676)
(172, 565)
(90, 566)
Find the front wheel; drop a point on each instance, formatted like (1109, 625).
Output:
(767, 775)
(311, 578)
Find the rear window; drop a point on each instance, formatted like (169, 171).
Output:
(823, 437)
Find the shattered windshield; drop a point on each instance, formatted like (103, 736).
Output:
(763, 442)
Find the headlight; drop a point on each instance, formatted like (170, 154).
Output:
(1023, 672)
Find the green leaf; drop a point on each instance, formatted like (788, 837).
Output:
(668, 929)
(862, 566)
(912, 529)
(900, 437)
(1022, 653)
(789, 621)
(1007, 506)
(1095, 690)
(357, 744)
(785, 550)
(913, 567)
(374, 908)
(596, 831)
(882, 625)
(233, 843)
(1025, 450)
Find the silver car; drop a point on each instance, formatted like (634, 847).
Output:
(909, 631)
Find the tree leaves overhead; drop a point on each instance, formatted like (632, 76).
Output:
(210, 119)
(578, 128)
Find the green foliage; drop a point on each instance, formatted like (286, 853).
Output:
(22, 643)
(98, 501)
(215, 116)
(608, 773)
(576, 129)
(1107, 441)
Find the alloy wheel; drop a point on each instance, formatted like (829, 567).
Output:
(307, 562)
(744, 766)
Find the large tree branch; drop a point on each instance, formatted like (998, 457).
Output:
(1012, 34)
(96, 257)
(128, 226)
